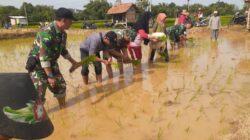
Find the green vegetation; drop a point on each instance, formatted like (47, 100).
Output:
(95, 11)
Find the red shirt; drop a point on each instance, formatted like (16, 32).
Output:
(182, 19)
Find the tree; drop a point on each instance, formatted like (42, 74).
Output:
(38, 13)
(96, 10)
(142, 4)
(6, 11)
(169, 9)
(223, 8)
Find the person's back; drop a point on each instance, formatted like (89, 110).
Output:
(93, 43)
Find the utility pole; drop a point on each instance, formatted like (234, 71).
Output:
(188, 5)
(150, 6)
(26, 13)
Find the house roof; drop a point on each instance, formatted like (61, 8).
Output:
(120, 8)
(17, 17)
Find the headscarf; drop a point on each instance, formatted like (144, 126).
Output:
(143, 22)
(161, 17)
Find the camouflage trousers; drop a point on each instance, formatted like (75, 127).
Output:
(40, 82)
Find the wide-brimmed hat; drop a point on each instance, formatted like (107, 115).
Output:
(215, 12)
(21, 116)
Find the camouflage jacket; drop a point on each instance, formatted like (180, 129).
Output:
(48, 45)
(174, 32)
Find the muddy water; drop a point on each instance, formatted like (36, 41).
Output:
(200, 95)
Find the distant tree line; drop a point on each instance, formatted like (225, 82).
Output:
(96, 9)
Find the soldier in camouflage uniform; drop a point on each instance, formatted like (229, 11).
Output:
(177, 33)
(42, 63)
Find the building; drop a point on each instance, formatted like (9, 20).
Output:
(18, 20)
(247, 2)
(123, 13)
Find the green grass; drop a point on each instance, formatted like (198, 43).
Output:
(100, 23)
(224, 21)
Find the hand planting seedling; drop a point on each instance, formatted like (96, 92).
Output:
(85, 61)
(161, 37)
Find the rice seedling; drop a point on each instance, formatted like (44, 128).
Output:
(63, 122)
(177, 94)
(116, 65)
(178, 113)
(163, 55)
(151, 118)
(135, 62)
(118, 122)
(230, 77)
(135, 116)
(110, 105)
(198, 118)
(159, 134)
(95, 109)
(199, 89)
(222, 89)
(222, 119)
(211, 137)
(87, 60)
(193, 97)
(187, 130)
(215, 75)
(160, 93)
(143, 110)
(195, 77)
(242, 93)
(222, 109)
(169, 125)
(201, 110)
(188, 106)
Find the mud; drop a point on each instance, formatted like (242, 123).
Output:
(201, 94)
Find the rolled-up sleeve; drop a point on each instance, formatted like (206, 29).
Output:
(44, 41)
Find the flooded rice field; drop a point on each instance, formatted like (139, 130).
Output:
(201, 94)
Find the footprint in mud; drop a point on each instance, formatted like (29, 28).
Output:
(170, 103)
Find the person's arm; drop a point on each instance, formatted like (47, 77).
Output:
(144, 35)
(44, 40)
(126, 58)
(65, 52)
(116, 53)
(93, 49)
(210, 22)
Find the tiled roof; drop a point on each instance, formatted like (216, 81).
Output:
(120, 8)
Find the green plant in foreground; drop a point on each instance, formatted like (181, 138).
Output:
(116, 65)
(187, 130)
(88, 60)
(118, 122)
(159, 134)
(135, 62)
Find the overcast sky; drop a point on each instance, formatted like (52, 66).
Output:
(78, 4)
